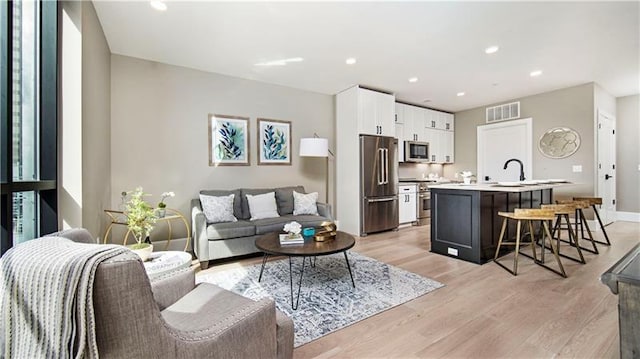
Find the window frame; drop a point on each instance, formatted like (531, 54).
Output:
(49, 111)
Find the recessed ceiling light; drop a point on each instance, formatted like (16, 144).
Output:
(158, 5)
(535, 73)
(279, 62)
(459, 94)
(413, 79)
(491, 49)
(350, 61)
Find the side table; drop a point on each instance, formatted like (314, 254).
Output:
(163, 263)
(119, 218)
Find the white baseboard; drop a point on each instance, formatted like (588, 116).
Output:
(628, 216)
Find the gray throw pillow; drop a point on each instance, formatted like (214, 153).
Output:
(305, 203)
(218, 209)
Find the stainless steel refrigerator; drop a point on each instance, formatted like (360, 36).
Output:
(378, 184)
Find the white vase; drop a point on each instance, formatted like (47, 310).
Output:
(467, 180)
(144, 253)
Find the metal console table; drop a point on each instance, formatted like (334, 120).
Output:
(119, 218)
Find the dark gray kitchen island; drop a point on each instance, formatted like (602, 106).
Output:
(464, 218)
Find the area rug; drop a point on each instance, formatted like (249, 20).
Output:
(328, 301)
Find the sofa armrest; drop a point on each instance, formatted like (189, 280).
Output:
(79, 235)
(167, 290)
(324, 209)
(231, 328)
(199, 231)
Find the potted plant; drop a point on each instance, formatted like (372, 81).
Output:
(140, 220)
(162, 207)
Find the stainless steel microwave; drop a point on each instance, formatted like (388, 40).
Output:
(415, 151)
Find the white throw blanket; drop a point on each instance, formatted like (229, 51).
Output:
(46, 305)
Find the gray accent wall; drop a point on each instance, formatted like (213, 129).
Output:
(628, 153)
(571, 107)
(159, 138)
(96, 124)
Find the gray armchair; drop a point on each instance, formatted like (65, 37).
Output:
(174, 318)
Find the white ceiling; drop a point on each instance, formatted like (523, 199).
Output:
(441, 43)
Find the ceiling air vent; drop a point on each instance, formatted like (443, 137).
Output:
(508, 111)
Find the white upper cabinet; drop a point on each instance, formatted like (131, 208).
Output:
(400, 137)
(399, 113)
(376, 113)
(432, 119)
(448, 119)
(415, 123)
(412, 118)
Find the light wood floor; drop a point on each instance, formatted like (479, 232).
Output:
(483, 311)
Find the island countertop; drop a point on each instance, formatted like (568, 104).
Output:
(464, 218)
(494, 187)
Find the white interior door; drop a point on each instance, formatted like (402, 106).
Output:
(500, 142)
(607, 166)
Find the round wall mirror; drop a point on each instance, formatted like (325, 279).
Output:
(559, 142)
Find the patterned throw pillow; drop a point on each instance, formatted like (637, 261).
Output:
(305, 203)
(218, 209)
(263, 206)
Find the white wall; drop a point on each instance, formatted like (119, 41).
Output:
(70, 124)
(628, 154)
(159, 137)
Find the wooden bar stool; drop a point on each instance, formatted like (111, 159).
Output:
(562, 211)
(593, 202)
(527, 216)
(581, 221)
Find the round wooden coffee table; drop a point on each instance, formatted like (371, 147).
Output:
(270, 245)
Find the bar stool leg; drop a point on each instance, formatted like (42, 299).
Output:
(606, 237)
(533, 247)
(504, 226)
(513, 271)
(553, 249)
(583, 221)
(515, 257)
(573, 241)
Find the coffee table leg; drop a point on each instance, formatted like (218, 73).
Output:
(264, 261)
(299, 282)
(349, 266)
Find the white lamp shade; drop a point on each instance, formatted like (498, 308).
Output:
(314, 147)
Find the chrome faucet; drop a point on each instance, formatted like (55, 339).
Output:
(521, 167)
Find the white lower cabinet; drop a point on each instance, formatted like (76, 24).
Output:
(407, 203)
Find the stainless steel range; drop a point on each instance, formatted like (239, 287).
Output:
(424, 204)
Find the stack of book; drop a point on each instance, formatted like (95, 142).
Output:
(285, 239)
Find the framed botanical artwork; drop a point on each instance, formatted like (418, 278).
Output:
(274, 142)
(228, 140)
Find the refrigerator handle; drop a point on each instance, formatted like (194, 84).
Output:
(386, 166)
(380, 167)
(382, 199)
(387, 150)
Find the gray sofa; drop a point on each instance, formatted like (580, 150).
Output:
(229, 239)
(171, 317)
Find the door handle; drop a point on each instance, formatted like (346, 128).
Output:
(380, 166)
(606, 176)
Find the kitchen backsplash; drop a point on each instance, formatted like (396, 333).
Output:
(418, 170)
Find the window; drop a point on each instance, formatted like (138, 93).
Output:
(28, 127)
